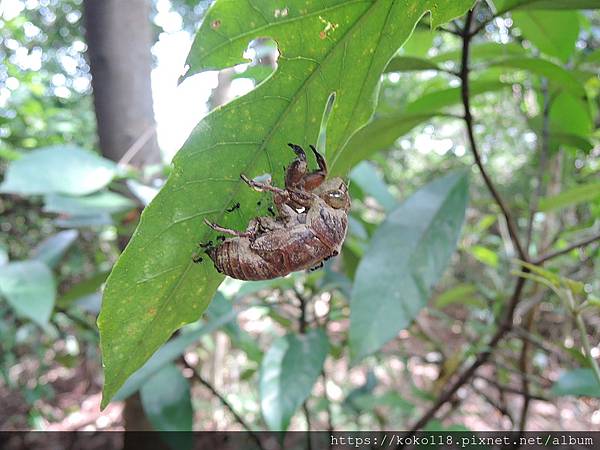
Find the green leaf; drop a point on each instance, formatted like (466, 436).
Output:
(288, 372)
(367, 178)
(553, 72)
(464, 293)
(337, 46)
(484, 255)
(505, 5)
(379, 134)
(573, 196)
(3, 256)
(569, 114)
(436, 100)
(408, 254)
(486, 51)
(83, 289)
(29, 288)
(167, 401)
(553, 32)
(97, 203)
(578, 382)
(59, 169)
(419, 43)
(84, 221)
(571, 140)
(51, 250)
(172, 350)
(410, 64)
(383, 131)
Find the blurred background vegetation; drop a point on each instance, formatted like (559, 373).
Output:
(64, 221)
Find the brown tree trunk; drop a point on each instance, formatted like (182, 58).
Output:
(119, 37)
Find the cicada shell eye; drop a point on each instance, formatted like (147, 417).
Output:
(337, 199)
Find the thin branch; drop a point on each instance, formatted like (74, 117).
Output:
(137, 145)
(582, 243)
(496, 405)
(196, 375)
(481, 359)
(544, 151)
(507, 321)
(512, 390)
(308, 427)
(328, 400)
(524, 366)
(465, 94)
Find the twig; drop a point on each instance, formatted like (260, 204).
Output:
(507, 321)
(196, 375)
(511, 389)
(501, 409)
(552, 255)
(524, 366)
(308, 427)
(465, 88)
(329, 414)
(544, 150)
(481, 359)
(137, 145)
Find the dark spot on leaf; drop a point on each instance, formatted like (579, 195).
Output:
(215, 24)
(233, 208)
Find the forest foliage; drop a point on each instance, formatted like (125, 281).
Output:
(494, 229)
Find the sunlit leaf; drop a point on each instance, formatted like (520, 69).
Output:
(336, 46)
(553, 32)
(484, 255)
(382, 131)
(407, 255)
(410, 64)
(464, 293)
(579, 194)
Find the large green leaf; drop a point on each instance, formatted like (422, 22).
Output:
(65, 170)
(288, 372)
(166, 400)
(29, 288)
(407, 255)
(326, 47)
(553, 32)
(579, 382)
